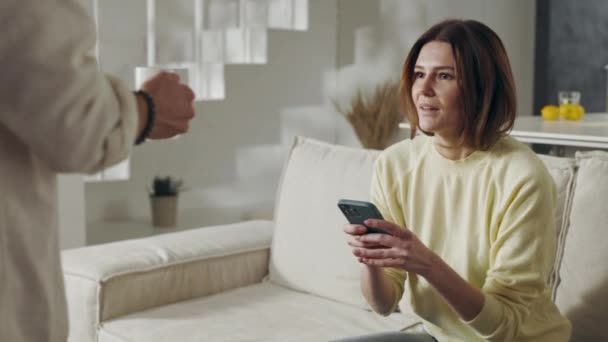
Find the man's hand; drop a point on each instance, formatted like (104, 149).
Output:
(173, 103)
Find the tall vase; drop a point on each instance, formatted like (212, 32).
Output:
(164, 211)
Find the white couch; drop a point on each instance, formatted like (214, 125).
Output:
(295, 279)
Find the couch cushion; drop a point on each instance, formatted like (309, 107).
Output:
(309, 248)
(582, 294)
(562, 171)
(111, 280)
(263, 312)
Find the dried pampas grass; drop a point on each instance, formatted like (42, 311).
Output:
(376, 119)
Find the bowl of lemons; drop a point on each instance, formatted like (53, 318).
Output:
(569, 108)
(567, 111)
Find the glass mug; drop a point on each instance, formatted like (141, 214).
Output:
(142, 74)
(569, 105)
(568, 97)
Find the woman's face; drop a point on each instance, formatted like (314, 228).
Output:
(435, 91)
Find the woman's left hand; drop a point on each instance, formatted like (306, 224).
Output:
(402, 249)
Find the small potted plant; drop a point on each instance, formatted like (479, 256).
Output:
(163, 200)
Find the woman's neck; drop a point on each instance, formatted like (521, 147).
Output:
(452, 148)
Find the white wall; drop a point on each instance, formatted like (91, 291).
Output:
(249, 116)
(353, 14)
(205, 157)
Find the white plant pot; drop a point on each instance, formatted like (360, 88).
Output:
(164, 211)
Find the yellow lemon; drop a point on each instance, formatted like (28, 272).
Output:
(571, 111)
(549, 112)
(578, 112)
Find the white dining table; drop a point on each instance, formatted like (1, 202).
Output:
(590, 132)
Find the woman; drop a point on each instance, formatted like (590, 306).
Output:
(470, 210)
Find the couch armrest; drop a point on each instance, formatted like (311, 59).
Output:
(116, 279)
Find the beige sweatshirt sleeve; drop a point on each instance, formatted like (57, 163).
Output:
(53, 97)
(522, 255)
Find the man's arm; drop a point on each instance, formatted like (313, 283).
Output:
(52, 95)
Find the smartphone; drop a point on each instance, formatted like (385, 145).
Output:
(357, 212)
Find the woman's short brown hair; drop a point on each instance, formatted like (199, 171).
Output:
(488, 100)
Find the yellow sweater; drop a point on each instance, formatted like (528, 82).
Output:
(489, 216)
